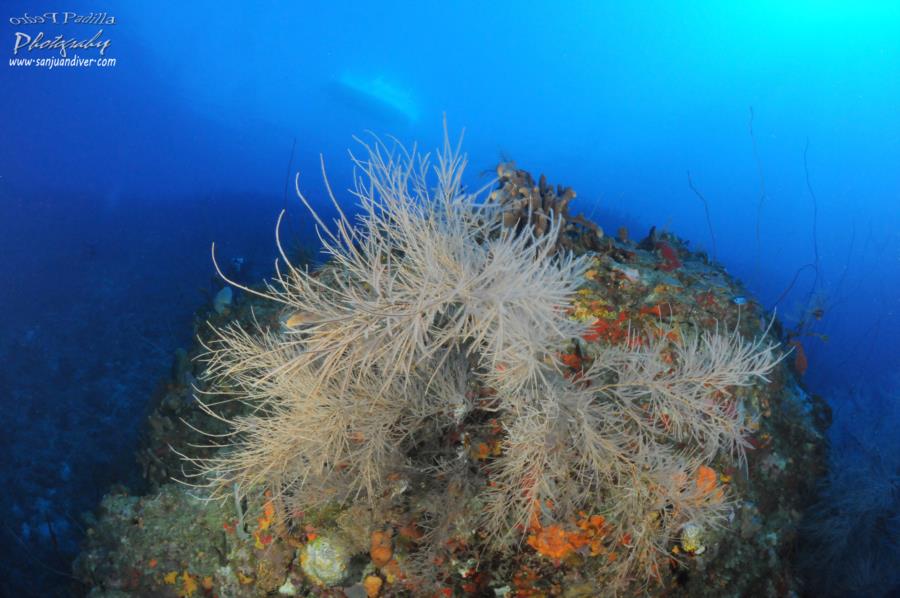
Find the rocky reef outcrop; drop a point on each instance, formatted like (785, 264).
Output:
(172, 542)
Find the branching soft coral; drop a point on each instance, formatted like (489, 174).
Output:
(428, 294)
(633, 436)
(426, 280)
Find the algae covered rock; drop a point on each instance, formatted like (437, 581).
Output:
(172, 543)
(325, 560)
(661, 507)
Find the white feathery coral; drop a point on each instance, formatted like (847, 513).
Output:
(427, 292)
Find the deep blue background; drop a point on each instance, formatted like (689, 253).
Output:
(113, 182)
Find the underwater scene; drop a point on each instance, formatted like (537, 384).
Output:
(450, 299)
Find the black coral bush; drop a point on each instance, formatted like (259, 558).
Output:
(431, 321)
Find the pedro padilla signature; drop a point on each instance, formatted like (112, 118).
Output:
(29, 42)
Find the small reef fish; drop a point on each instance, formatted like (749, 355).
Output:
(631, 274)
(739, 300)
(298, 319)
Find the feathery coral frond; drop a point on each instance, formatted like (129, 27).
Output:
(426, 294)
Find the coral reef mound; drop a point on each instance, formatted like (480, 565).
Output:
(476, 394)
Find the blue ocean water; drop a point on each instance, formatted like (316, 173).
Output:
(115, 179)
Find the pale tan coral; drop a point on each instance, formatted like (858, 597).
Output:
(429, 292)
